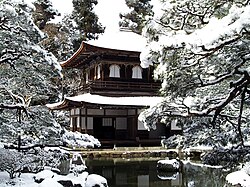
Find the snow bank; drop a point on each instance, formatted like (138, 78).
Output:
(186, 162)
(201, 148)
(25, 180)
(49, 182)
(44, 174)
(238, 177)
(50, 178)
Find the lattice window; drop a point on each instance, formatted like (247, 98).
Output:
(107, 122)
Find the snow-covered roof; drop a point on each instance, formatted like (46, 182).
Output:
(143, 101)
(120, 40)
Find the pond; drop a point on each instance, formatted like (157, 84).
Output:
(143, 173)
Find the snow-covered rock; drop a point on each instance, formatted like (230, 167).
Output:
(43, 175)
(49, 178)
(96, 180)
(168, 175)
(49, 182)
(168, 165)
(77, 180)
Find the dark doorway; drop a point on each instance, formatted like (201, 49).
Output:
(132, 127)
(104, 128)
(74, 124)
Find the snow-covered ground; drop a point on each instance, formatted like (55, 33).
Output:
(72, 139)
(50, 178)
(239, 178)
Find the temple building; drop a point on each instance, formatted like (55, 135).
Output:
(114, 91)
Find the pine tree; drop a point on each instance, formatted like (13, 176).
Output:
(29, 78)
(43, 13)
(86, 20)
(136, 19)
(201, 49)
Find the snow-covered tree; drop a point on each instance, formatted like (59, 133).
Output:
(29, 78)
(13, 162)
(136, 18)
(65, 37)
(35, 160)
(43, 13)
(61, 38)
(201, 48)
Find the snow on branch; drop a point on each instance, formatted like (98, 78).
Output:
(19, 103)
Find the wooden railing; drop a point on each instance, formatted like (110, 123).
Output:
(119, 86)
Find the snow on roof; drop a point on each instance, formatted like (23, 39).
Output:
(106, 100)
(53, 105)
(115, 40)
(121, 40)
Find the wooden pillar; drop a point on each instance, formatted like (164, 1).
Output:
(86, 120)
(80, 119)
(136, 122)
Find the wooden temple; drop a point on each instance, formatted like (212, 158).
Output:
(115, 90)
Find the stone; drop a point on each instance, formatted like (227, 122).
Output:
(94, 180)
(66, 183)
(172, 165)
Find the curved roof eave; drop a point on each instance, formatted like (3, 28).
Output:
(92, 99)
(65, 104)
(75, 55)
(89, 48)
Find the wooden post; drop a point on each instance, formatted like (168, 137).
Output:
(86, 120)
(19, 143)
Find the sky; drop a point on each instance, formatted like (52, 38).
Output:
(107, 10)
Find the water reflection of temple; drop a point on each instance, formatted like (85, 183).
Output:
(143, 173)
(132, 173)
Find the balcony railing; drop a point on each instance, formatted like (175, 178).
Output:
(95, 86)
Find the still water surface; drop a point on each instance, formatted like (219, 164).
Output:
(143, 173)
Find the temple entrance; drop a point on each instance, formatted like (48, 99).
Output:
(74, 124)
(104, 128)
(132, 128)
